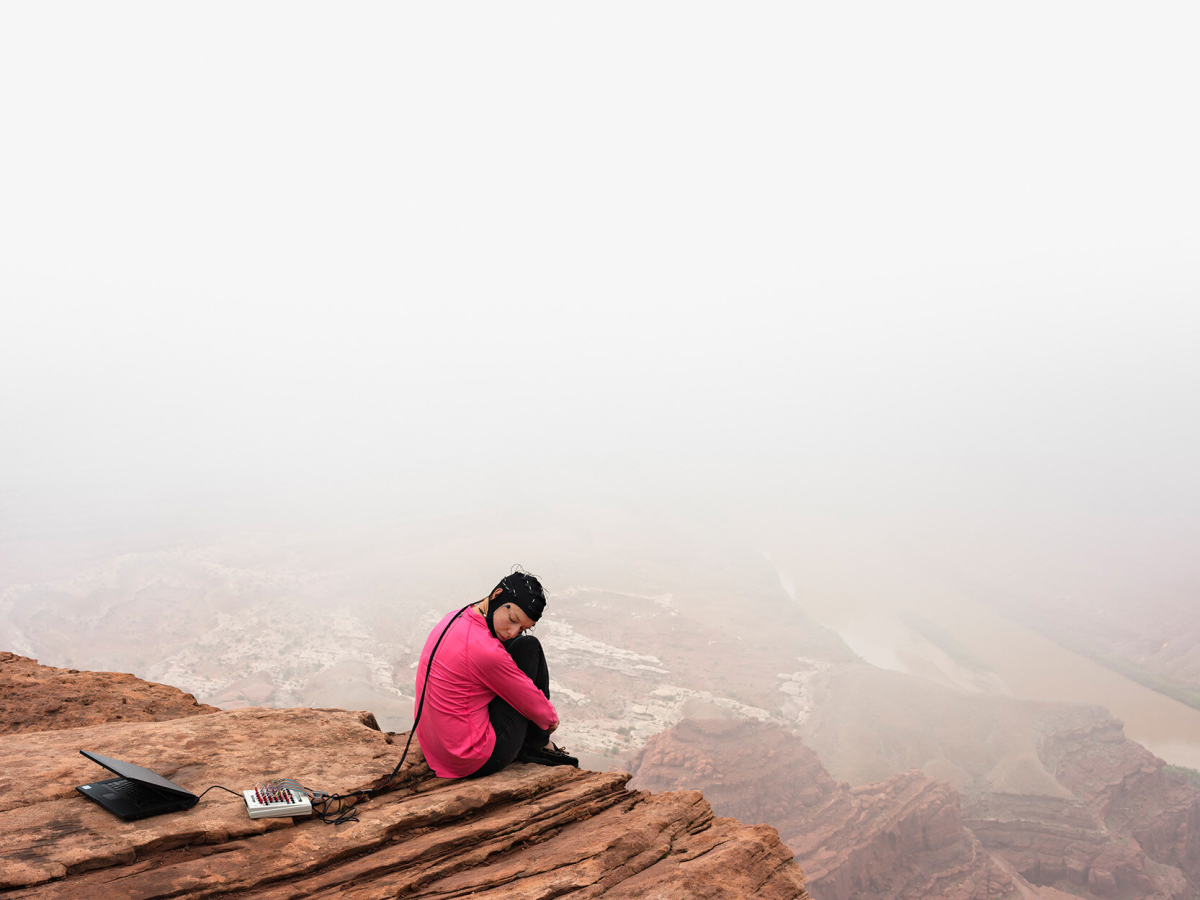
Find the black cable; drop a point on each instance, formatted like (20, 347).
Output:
(421, 704)
(345, 812)
(235, 793)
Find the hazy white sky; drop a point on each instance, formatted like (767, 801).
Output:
(936, 260)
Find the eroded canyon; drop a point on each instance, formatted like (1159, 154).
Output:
(681, 657)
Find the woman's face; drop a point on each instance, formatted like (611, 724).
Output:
(509, 621)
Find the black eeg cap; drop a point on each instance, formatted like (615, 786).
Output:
(525, 591)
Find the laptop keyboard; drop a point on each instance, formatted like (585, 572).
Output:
(137, 794)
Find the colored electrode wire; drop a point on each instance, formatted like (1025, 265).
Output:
(275, 792)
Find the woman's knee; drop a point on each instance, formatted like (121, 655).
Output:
(526, 652)
(524, 648)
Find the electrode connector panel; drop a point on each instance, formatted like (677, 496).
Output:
(269, 800)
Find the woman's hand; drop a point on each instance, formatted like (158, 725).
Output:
(553, 727)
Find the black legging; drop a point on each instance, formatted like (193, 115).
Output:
(512, 729)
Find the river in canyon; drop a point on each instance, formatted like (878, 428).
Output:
(875, 624)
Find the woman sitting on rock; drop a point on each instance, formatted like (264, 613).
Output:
(486, 700)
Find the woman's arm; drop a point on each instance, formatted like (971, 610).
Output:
(496, 669)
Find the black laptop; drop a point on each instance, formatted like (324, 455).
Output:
(137, 793)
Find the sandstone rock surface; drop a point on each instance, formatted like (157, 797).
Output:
(527, 832)
(34, 697)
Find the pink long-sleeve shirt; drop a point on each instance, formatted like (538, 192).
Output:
(470, 668)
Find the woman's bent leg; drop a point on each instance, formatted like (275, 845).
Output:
(512, 729)
(527, 653)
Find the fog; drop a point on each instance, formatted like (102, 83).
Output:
(905, 294)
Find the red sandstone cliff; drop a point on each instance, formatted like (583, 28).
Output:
(1127, 785)
(1117, 827)
(527, 832)
(1126, 830)
(901, 838)
(1055, 790)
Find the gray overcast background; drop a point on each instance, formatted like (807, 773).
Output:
(928, 270)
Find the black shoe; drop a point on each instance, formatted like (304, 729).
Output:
(546, 756)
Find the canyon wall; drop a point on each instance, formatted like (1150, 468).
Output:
(1115, 825)
(900, 838)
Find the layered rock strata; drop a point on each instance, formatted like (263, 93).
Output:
(1123, 829)
(1052, 841)
(1127, 786)
(527, 832)
(901, 838)
(1054, 789)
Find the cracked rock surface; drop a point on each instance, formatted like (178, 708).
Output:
(526, 832)
(34, 697)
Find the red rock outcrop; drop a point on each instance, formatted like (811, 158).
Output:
(527, 832)
(1125, 830)
(902, 838)
(1055, 790)
(1053, 841)
(1132, 794)
(34, 697)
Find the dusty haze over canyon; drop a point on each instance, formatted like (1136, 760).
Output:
(834, 367)
(678, 654)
